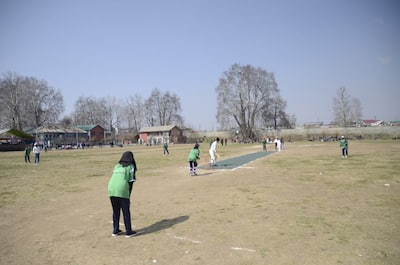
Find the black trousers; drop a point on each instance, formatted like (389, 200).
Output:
(123, 204)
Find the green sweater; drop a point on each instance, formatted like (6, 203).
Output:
(118, 185)
(343, 143)
(194, 154)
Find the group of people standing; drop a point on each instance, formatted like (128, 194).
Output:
(279, 144)
(36, 152)
(194, 155)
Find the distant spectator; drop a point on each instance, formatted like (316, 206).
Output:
(166, 148)
(36, 152)
(27, 153)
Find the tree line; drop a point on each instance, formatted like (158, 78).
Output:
(26, 102)
(248, 98)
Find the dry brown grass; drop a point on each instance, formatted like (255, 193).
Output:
(305, 205)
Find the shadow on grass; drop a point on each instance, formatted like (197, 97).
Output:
(161, 225)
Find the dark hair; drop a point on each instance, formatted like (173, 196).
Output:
(196, 146)
(127, 159)
(217, 139)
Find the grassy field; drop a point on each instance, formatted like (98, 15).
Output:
(304, 205)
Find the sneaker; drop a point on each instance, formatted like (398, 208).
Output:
(132, 234)
(117, 234)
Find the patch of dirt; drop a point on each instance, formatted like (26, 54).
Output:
(304, 205)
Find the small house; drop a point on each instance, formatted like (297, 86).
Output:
(96, 133)
(161, 134)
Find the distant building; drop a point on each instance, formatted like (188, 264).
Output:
(372, 123)
(54, 135)
(14, 140)
(96, 133)
(394, 123)
(315, 124)
(161, 134)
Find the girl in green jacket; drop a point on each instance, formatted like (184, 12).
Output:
(119, 191)
(193, 156)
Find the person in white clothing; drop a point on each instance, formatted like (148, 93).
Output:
(278, 143)
(36, 152)
(213, 152)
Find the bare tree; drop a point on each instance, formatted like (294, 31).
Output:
(342, 107)
(89, 110)
(28, 102)
(356, 111)
(45, 102)
(150, 111)
(66, 120)
(12, 100)
(112, 113)
(163, 109)
(135, 113)
(274, 115)
(247, 95)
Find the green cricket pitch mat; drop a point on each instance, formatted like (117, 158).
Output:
(237, 162)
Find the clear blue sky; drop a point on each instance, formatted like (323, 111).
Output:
(118, 48)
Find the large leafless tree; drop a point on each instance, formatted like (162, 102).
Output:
(356, 111)
(12, 101)
(135, 113)
(274, 116)
(89, 110)
(163, 109)
(346, 110)
(248, 97)
(28, 102)
(46, 103)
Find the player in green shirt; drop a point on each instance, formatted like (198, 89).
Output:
(119, 191)
(27, 153)
(344, 145)
(165, 146)
(193, 156)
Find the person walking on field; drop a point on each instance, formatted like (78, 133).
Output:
(166, 148)
(36, 152)
(344, 145)
(119, 191)
(213, 152)
(193, 156)
(27, 153)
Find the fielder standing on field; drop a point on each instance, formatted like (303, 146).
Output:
(344, 145)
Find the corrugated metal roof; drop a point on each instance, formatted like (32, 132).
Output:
(87, 127)
(59, 129)
(165, 128)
